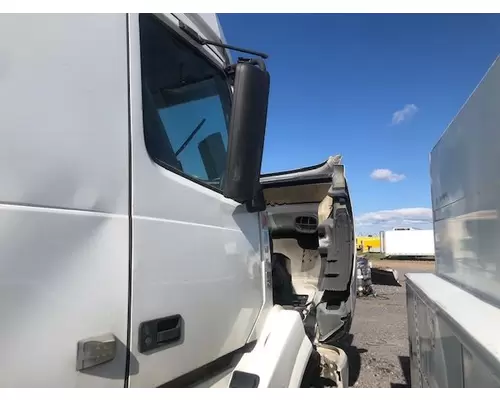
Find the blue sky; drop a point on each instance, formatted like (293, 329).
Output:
(337, 82)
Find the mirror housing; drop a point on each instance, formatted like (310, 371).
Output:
(247, 130)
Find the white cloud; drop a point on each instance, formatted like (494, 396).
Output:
(406, 113)
(388, 219)
(383, 174)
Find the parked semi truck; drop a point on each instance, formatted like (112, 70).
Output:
(136, 248)
(454, 313)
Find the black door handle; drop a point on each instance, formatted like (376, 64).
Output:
(160, 332)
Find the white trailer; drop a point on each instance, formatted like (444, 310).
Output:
(407, 243)
(454, 313)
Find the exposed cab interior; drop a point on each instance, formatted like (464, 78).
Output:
(313, 245)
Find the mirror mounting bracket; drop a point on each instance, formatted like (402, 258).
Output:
(231, 69)
(258, 203)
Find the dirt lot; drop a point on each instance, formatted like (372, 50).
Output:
(378, 346)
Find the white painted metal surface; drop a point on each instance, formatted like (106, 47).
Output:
(281, 353)
(408, 243)
(64, 257)
(465, 193)
(89, 227)
(63, 194)
(453, 335)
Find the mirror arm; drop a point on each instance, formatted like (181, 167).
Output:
(200, 40)
(258, 203)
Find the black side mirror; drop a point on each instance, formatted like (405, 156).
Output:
(247, 130)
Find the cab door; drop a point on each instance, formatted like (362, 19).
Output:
(196, 281)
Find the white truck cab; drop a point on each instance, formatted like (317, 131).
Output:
(135, 245)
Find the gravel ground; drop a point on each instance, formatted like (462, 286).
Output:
(378, 345)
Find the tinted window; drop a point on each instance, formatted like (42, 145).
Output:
(185, 105)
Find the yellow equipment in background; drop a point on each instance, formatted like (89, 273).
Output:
(368, 244)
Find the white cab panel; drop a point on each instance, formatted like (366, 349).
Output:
(63, 96)
(64, 196)
(282, 352)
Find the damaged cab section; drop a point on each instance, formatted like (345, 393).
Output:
(313, 246)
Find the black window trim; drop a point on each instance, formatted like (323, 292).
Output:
(217, 67)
